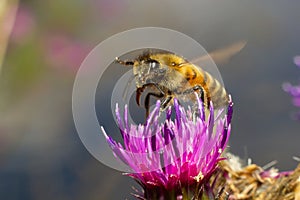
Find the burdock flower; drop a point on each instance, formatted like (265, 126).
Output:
(174, 159)
(294, 90)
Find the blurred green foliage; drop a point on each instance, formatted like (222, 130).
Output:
(22, 69)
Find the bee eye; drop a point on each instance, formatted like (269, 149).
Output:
(153, 64)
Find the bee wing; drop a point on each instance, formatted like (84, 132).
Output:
(222, 55)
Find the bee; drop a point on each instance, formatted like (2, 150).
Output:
(167, 76)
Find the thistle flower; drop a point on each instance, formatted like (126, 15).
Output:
(294, 90)
(174, 159)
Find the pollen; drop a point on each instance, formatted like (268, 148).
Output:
(199, 177)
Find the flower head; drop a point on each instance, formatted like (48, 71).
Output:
(176, 156)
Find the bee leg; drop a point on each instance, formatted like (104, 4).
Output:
(166, 102)
(147, 100)
(197, 89)
(124, 62)
(200, 91)
(139, 92)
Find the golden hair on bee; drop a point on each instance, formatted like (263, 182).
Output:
(166, 76)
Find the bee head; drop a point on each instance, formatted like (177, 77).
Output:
(149, 71)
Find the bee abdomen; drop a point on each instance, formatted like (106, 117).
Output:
(190, 74)
(217, 92)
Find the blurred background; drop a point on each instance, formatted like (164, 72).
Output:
(43, 43)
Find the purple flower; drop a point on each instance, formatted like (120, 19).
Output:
(24, 25)
(297, 60)
(294, 90)
(65, 51)
(176, 157)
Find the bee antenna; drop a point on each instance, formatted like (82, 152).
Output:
(124, 62)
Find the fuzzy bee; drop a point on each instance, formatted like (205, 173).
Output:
(167, 76)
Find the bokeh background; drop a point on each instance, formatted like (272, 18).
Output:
(41, 155)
